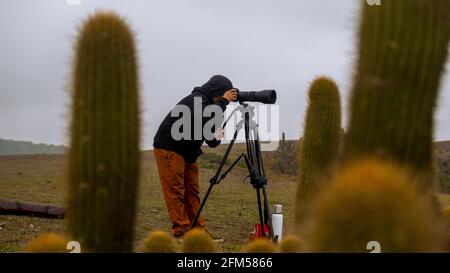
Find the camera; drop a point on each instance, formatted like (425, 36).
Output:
(264, 96)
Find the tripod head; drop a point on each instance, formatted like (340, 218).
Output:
(243, 108)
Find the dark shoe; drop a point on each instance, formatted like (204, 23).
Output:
(179, 235)
(179, 238)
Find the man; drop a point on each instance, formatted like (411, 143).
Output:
(176, 158)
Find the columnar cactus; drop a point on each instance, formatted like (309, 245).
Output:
(373, 200)
(320, 144)
(104, 146)
(403, 46)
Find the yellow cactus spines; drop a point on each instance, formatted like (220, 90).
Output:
(159, 242)
(292, 244)
(319, 151)
(447, 212)
(373, 200)
(198, 241)
(104, 151)
(48, 243)
(403, 50)
(260, 245)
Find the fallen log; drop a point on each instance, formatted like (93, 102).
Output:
(8, 207)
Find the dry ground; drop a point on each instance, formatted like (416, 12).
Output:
(231, 210)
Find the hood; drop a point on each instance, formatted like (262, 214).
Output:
(216, 86)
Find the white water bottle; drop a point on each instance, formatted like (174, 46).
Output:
(277, 223)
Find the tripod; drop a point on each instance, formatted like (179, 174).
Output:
(254, 163)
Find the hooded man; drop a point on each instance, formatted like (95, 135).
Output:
(176, 158)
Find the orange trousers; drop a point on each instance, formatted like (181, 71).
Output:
(179, 181)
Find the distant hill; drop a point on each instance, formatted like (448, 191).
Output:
(13, 147)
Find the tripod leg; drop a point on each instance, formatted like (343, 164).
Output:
(215, 179)
(260, 167)
(260, 211)
(224, 174)
(210, 188)
(227, 152)
(199, 211)
(267, 213)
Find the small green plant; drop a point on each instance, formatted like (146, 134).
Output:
(292, 244)
(403, 48)
(374, 200)
(260, 245)
(318, 153)
(48, 243)
(159, 242)
(104, 136)
(198, 241)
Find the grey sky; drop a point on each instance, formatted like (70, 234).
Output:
(258, 44)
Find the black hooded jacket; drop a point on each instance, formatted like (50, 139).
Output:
(191, 149)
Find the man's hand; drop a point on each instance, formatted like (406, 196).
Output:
(219, 134)
(230, 95)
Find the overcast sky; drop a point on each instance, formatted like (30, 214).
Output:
(258, 44)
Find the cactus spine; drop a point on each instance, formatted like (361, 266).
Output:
(104, 145)
(403, 46)
(320, 145)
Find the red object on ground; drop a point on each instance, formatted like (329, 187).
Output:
(28, 209)
(257, 232)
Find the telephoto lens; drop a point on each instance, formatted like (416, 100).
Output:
(265, 96)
